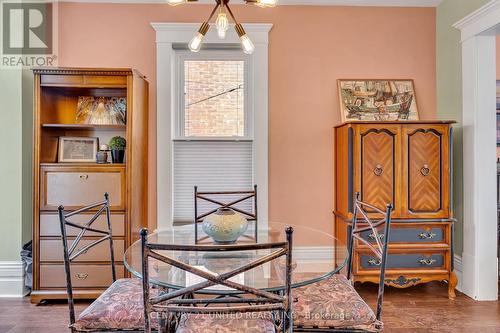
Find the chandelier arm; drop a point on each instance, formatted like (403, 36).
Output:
(231, 13)
(213, 12)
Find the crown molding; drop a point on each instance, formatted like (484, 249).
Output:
(479, 21)
(372, 3)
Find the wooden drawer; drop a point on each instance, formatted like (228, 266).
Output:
(405, 233)
(52, 250)
(401, 260)
(87, 276)
(105, 80)
(74, 187)
(50, 226)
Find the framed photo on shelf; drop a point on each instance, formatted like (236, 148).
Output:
(377, 100)
(77, 149)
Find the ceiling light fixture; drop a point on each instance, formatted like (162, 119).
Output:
(222, 23)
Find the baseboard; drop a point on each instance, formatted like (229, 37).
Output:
(12, 279)
(458, 270)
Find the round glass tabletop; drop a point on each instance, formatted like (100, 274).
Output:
(316, 255)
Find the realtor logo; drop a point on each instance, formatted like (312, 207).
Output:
(27, 34)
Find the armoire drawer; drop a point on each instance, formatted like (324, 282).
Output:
(52, 250)
(74, 187)
(405, 233)
(50, 226)
(423, 260)
(89, 276)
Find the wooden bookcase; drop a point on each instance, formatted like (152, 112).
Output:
(77, 184)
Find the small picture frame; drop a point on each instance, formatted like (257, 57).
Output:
(77, 149)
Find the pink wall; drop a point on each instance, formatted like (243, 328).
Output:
(310, 48)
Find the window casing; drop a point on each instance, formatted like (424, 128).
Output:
(214, 161)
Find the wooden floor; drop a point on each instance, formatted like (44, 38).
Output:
(423, 309)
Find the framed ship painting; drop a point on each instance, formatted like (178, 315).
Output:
(377, 100)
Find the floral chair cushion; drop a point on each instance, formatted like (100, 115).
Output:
(120, 307)
(333, 303)
(251, 322)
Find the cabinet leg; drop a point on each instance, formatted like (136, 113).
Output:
(452, 283)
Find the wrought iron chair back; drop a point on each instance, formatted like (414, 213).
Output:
(235, 197)
(71, 252)
(361, 223)
(180, 301)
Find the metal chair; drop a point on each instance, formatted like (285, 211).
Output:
(119, 308)
(178, 309)
(333, 305)
(216, 199)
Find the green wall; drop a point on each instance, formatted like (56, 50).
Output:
(449, 89)
(10, 164)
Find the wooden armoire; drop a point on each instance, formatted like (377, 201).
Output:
(408, 164)
(73, 185)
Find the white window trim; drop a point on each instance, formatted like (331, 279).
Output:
(168, 34)
(182, 55)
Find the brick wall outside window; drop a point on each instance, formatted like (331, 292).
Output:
(214, 98)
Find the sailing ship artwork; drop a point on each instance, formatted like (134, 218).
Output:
(377, 100)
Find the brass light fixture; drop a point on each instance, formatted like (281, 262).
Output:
(222, 23)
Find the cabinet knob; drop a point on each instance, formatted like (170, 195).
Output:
(84, 177)
(427, 235)
(374, 262)
(378, 170)
(425, 170)
(427, 261)
(82, 276)
(372, 236)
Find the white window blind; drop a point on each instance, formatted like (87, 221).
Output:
(212, 166)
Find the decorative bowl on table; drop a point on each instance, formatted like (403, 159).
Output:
(225, 225)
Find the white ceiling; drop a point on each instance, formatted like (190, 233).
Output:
(384, 3)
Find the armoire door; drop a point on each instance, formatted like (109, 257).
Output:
(378, 168)
(426, 188)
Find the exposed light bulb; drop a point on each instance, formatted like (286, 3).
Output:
(176, 2)
(266, 3)
(195, 43)
(246, 42)
(222, 24)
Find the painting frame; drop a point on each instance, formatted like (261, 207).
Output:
(373, 104)
(82, 150)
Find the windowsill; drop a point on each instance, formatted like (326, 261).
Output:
(229, 138)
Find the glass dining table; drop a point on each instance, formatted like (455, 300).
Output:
(316, 255)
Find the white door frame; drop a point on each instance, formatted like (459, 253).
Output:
(479, 258)
(168, 34)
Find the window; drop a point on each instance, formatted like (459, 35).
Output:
(213, 146)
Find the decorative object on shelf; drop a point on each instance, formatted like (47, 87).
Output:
(377, 100)
(77, 149)
(222, 23)
(101, 110)
(102, 154)
(117, 145)
(225, 225)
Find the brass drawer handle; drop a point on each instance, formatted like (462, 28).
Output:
(84, 177)
(372, 236)
(427, 261)
(378, 170)
(374, 262)
(427, 235)
(425, 170)
(82, 276)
